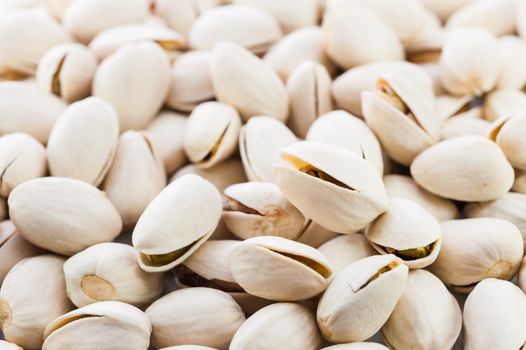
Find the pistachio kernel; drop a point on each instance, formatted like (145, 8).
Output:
(383, 270)
(413, 253)
(315, 172)
(163, 259)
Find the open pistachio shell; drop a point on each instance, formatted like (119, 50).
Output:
(508, 133)
(356, 346)
(345, 191)
(502, 103)
(343, 250)
(221, 176)
(360, 298)
(496, 16)
(513, 55)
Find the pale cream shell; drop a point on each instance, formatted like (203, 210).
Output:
(513, 55)
(465, 124)
(181, 15)
(508, 133)
(211, 260)
(343, 250)
(502, 103)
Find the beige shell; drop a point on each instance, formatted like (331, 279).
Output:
(199, 316)
(262, 266)
(14, 4)
(494, 316)
(22, 158)
(360, 298)
(211, 134)
(63, 215)
(513, 55)
(247, 83)
(502, 103)
(343, 250)
(427, 316)
(345, 191)
(32, 295)
(4, 345)
(444, 8)
(465, 124)
(472, 168)
(356, 346)
(493, 247)
(508, 134)
(221, 176)
(260, 140)
(167, 232)
(135, 80)
(26, 108)
(100, 326)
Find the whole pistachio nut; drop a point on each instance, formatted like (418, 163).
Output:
(475, 249)
(507, 132)
(32, 295)
(427, 316)
(211, 134)
(22, 158)
(56, 8)
(109, 271)
(176, 222)
(513, 55)
(247, 83)
(135, 80)
(102, 326)
(494, 316)
(356, 346)
(263, 267)
(520, 182)
(496, 16)
(443, 9)
(315, 235)
(472, 168)
(466, 124)
(67, 71)
(343, 250)
(331, 185)
(63, 215)
(502, 103)
(4, 345)
(221, 176)
(199, 316)
(359, 300)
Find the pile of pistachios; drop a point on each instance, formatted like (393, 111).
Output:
(263, 174)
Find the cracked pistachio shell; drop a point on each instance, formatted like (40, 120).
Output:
(200, 316)
(211, 134)
(462, 69)
(4, 345)
(465, 124)
(347, 88)
(513, 55)
(309, 89)
(32, 295)
(497, 16)
(356, 346)
(84, 19)
(401, 116)
(345, 191)
(254, 209)
(343, 250)
(83, 142)
(262, 266)
(471, 169)
(67, 71)
(63, 215)
(426, 317)
(244, 81)
(502, 103)
(109, 271)
(176, 222)
(359, 300)
(405, 227)
(443, 9)
(343, 129)
(26, 108)
(190, 81)
(221, 176)
(520, 182)
(494, 316)
(101, 326)
(247, 26)
(135, 80)
(22, 158)
(260, 140)
(475, 249)
(508, 134)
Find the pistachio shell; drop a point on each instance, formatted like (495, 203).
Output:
(4, 345)
(56, 8)
(200, 316)
(63, 215)
(471, 169)
(315, 235)
(503, 103)
(444, 8)
(247, 83)
(99, 326)
(513, 55)
(465, 124)
(356, 346)
(508, 133)
(343, 250)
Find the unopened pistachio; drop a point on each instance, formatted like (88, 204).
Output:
(513, 55)
(356, 346)
(343, 250)
(502, 103)
(221, 176)
(496, 16)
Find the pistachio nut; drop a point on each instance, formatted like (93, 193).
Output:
(221, 176)
(427, 316)
(67, 71)
(101, 326)
(521, 276)
(55, 8)
(493, 247)
(135, 80)
(168, 232)
(315, 235)
(190, 81)
(405, 187)
(22, 158)
(345, 191)
(347, 131)
(4, 345)
(32, 295)
(494, 316)
(260, 140)
(109, 271)
(465, 124)
(63, 215)
(472, 168)
(356, 346)
(199, 316)
(343, 250)
(520, 182)
(262, 266)
(26, 108)
(443, 9)
(359, 300)
(244, 81)
(513, 55)
(507, 132)
(496, 16)
(211, 134)
(502, 103)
